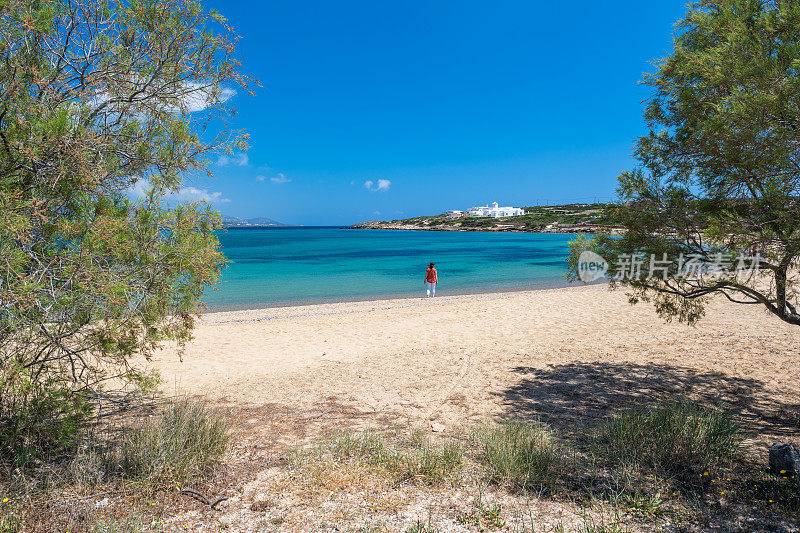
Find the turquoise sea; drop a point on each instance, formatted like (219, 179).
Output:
(283, 265)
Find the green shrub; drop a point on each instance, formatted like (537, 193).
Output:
(426, 462)
(38, 421)
(674, 438)
(525, 455)
(185, 440)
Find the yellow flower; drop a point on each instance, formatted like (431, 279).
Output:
(5, 500)
(723, 492)
(770, 501)
(783, 471)
(705, 473)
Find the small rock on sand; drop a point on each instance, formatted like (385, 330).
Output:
(784, 459)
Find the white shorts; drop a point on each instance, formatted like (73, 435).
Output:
(431, 287)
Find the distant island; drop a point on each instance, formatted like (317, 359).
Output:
(567, 218)
(258, 222)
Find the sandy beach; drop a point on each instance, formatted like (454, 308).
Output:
(562, 355)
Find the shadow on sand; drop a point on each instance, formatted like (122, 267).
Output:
(563, 395)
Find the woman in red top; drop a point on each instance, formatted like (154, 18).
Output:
(431, 280)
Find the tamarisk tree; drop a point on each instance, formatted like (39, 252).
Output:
(719, 179)
(99, 98)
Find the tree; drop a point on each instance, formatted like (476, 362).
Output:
(719, 182)
(99, 98)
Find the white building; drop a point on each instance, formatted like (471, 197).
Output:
(495, 211)
(452, 215)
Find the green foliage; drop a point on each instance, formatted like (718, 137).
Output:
(719, 170)
(184, 441)
(478, 222)
(38, 420)
(525, 455)
(100, 262)
(644, 505)
(676, 439)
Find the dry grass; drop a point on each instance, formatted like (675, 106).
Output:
(185, 440)
(182, 442)
(417, 460)
(674, 439)
(631, 469)
(395, 481)
(522, 454)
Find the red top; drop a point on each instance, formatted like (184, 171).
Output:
(430, 275)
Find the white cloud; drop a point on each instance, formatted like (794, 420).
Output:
(381, 185)
(184, 194)
(188, 97)
(192, 194)
(198, 97)
(138, 189)
(260, 178)
(238, 160)
(376, 213)
(280, 178)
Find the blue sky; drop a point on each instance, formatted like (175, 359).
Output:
(440, 105)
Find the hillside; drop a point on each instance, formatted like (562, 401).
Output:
(234, 222)
(568, 218)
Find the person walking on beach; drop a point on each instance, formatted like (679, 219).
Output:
(431, 280)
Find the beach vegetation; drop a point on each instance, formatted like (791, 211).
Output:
(423, 526)
(185, 440)
(39, 421)
(105, 108)
(674, 439)
(664, 466)
(524, 455)
(718, 179)
(485, 515)
(414, 460)
(169, 448)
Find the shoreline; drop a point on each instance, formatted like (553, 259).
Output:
(458, 359)
(397, 296)
(577, 229)
(257, 314)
